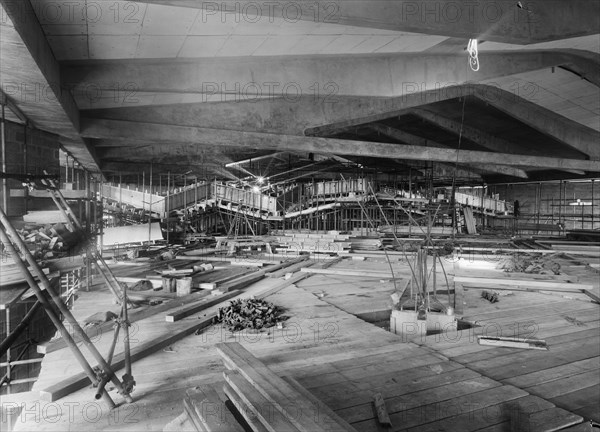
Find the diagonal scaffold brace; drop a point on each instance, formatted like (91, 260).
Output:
(92, 252)
(30, 268)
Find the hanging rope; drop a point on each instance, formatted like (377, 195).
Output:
(473, 55)
(453, 202)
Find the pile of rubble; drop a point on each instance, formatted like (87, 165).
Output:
(249, 314)
(530, 264)
(50, 241)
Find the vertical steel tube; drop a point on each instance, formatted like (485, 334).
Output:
(3, 139)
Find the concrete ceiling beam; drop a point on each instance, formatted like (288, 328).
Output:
(569, 132)
(494, 20)
(139, 167)
(29, 66)
(183, 141)
(324, 78)
(478, 136)
(5, 101)
(307, 115)
(255, 159)
(586, 64)
(415, 140)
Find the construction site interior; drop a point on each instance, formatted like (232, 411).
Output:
(399, 260)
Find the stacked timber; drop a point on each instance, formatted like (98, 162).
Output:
(271, 403)
(365, 243)
(414, 230)
(469, 220)
(206, 411)
(314, 242)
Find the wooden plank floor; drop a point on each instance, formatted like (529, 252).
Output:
(435, 383)
(567, 375)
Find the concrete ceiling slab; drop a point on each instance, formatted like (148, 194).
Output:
(159, 46)
(343, 43)
(113, 47)
(69, 47)
(118, 18)
(211, 25)
(588, 43)
(559, 91)
(249, 27)
(202, 46)
(310, 44)
(53, 12)
(165, 20)
(497, 20)
(372, 44)
(411, 42)
(236, 46)
(278, 45)
(65, 29)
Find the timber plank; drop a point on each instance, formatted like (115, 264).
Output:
(552, 342)
(477, 282)
(241, 282)
(320, 407)
(503, 367)
(523, 414)
(521, 329)
(250, 417)
(581, 427)
(414, 400)
(176, 333)
(549, 307)
(590, 412)
(277, 391)
(466, 404)
(80, 380)
(398, 385)
(204, 407)
(552, 374)
(133, 316)
(274, 420)
(578, 399)
(183, 312)
(566, 384)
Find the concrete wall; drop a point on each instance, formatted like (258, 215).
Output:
(28, 151)
(40, 330)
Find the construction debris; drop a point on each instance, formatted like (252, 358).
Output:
(50, 240)
(142, 285)
(530, 264)
(574, 321)
(249, 314)
(491, 296)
